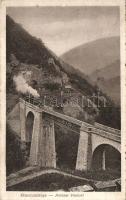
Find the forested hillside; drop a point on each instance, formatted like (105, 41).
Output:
(31, 53)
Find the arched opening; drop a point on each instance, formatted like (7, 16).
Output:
(29, 130)
(66, 148)
(106, 157)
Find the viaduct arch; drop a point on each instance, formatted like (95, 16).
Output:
(42, 151)
(106, 156)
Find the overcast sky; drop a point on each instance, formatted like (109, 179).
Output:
(63, 28)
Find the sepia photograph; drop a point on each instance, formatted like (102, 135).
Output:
(63, 99)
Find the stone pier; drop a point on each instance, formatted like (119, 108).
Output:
(43, 143)
(103, 160)
(47, 154)
(84, 154)
(37, 131)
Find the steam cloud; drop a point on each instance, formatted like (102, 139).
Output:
(23, 87)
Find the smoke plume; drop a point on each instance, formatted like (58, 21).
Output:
(23, 87)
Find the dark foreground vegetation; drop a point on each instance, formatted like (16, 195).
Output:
(98, 175)
(48, 182)
(55, 181)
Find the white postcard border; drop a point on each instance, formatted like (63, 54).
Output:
(4, 195)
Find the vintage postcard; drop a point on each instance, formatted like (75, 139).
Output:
(62, 100)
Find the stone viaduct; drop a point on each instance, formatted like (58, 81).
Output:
(42, 136)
